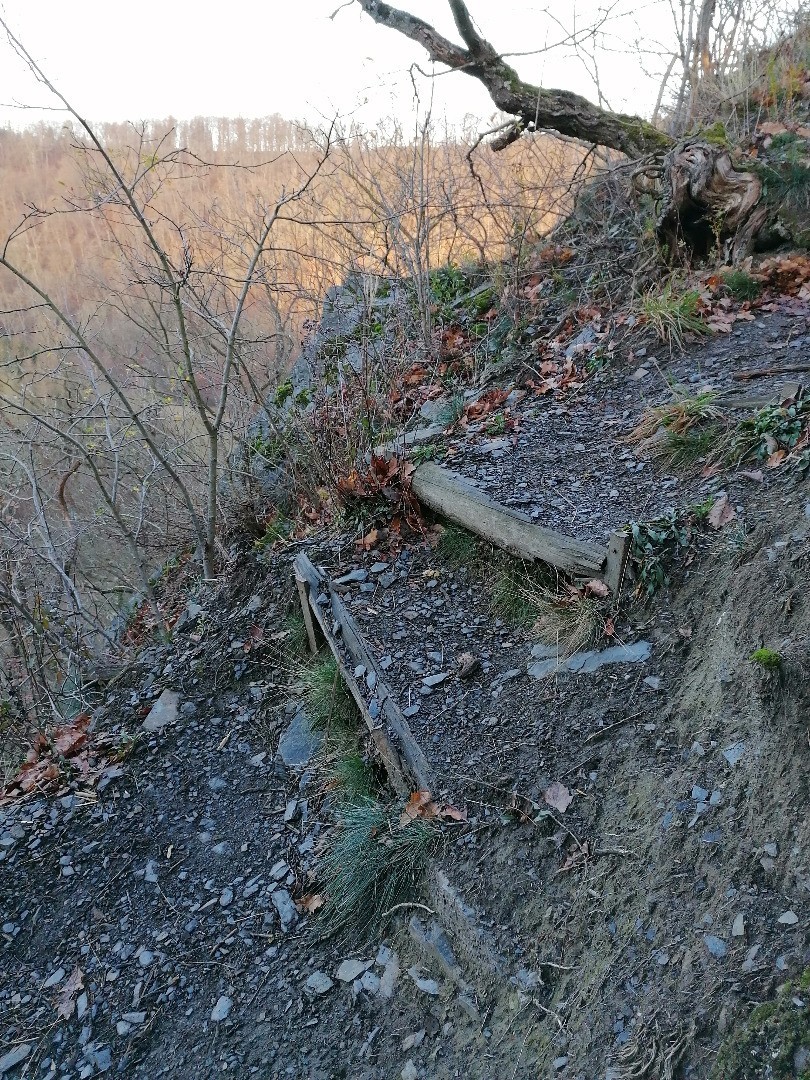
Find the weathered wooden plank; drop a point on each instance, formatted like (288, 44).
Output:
(456, 499)
(618, 552)
(303, 594)
(307, 573)
(390, 726)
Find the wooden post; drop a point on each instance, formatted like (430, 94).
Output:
(618, 551)
(303, 593)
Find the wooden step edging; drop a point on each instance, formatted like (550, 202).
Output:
(402, 756)
(456, 499)
(407, 770)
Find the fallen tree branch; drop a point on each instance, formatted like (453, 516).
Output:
(762, 373)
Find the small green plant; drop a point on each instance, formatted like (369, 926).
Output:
(656, 544)
(766, 658)
(373, 864)
(682, 450)
(457, 546)
(425, 452)
(278, 528)
(599, 360)
(283, 392)
(772, 429)
(447, 284)
(742, 286)
(497, 424)
(452, 411)
(672, 316)
(785, 173)
(349, 776)
(266, 447)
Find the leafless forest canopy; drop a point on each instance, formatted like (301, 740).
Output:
(156, 288)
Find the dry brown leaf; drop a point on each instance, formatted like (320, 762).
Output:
(721, 513)
(597, 588)
(70, 738)
(66, 999)
(558, 796)
(419, 805)
(310, 902)
(370, 539)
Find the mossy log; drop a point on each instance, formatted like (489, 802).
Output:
(706, 200)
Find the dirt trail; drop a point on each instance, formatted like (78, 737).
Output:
(149, 924)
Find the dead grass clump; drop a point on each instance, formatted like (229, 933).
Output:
(670, 316)
(681, 431)
(572, 621)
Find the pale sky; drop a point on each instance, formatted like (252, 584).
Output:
(156, 58)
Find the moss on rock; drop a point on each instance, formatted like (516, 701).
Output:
(773, 1044)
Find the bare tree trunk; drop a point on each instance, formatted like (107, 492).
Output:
(701, 65)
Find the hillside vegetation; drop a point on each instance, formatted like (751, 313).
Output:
(404, 624)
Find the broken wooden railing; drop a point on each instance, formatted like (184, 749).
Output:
(402, 756)
(456, 499)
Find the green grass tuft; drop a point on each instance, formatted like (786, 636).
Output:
(742, 286)
(296, 641)
(372, 865)
(328, 703)
(457, 546)
(516, 585)
(671, 317)
(766, 658)
(682, 449)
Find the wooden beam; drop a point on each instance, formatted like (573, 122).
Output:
(456, 499)
(389, 729)
(303, 593)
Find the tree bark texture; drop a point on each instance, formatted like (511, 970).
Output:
(534, 107)
(705, 202)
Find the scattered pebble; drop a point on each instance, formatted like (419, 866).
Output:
(222, 1010)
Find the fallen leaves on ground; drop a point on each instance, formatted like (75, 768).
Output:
(387, 482)
(721, 513)
(66, 998)
(71, 753)
(578, 855)
(558, 797)
(488, 403)
(555, 375)
(421, 807)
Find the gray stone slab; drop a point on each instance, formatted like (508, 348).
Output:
(300, 742)
(585, 663)
(163, 712)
